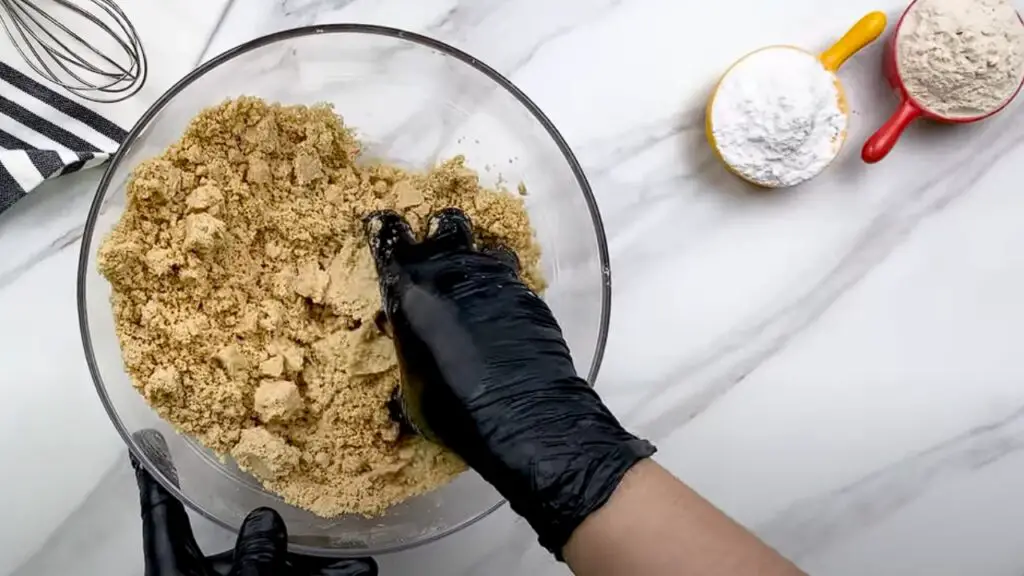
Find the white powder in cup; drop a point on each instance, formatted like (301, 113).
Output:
(776, 117)
(961, 58)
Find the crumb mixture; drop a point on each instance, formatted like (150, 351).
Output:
(246, 301)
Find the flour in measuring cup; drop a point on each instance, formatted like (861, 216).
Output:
(961, 58)
(776, 117)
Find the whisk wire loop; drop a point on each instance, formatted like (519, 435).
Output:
(92, 50)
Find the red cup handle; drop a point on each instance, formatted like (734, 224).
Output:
(882, 141)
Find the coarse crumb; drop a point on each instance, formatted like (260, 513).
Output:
(278, 401)
(245, 299)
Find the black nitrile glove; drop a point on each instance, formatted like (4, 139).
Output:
(487, 372)
(169, 547)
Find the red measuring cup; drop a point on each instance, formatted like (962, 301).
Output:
(882, 141)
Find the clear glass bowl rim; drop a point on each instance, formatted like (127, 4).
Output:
(199, 71)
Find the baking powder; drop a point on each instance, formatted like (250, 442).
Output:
(776, 117)
(961, 58)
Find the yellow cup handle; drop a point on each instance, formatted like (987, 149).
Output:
(863, 33)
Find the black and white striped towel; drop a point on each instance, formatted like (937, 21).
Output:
(44, 134)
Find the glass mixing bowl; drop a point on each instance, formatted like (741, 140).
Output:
(413, 101)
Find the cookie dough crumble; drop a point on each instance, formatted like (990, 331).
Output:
(246, 301)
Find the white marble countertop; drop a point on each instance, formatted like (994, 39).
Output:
(835, 365)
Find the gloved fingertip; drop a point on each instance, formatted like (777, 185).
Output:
(168, 544)
(264, 522)
(380, 320)
(152, 445)
(151, 492)
(397, 412)
(262, 544)
(387, 232)
(450, 229)
(361, 567)
(316, 566)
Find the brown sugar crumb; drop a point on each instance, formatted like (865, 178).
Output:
(232, 360)
(278, 401)
(202, 232)
(206, 197)
(246, 302)
(264, 454)
(272, 367)
(165, 383)
(311, 281)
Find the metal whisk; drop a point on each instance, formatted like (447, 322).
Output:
(87, 47)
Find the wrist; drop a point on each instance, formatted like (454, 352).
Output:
(555, 475)
(583, 492)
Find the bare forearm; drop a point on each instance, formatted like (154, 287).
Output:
(655, 525)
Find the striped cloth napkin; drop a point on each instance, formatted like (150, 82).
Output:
(44, 134)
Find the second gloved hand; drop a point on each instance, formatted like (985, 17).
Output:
(170, 548)
(487, 372)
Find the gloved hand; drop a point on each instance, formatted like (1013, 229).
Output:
(487, 372)
(169, 548)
